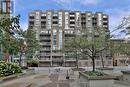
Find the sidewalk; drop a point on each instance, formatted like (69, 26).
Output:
(48, 80)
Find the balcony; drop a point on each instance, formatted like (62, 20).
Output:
(45, 38)
(105, 21)
(73, 20)
(44, 59)
(57, 59)
(31, 17)
(57, 54)
(45, 50)
(43, 27)
(105, 26)
(45, 54)
(43, 17)
(46, 43)
(31, 20)
(55, 17)
(45, 35)
(72, 15)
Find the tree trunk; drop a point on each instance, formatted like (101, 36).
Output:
(93, 60)
(11, 58)
(77, 62)
(20, 59)
(102, 61)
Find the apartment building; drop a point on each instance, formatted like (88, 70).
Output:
(5, 6)
(53, 26)
(118, 58)
(4, 9)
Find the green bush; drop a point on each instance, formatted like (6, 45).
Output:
(7, 68)
(96, 73)
(32, 63)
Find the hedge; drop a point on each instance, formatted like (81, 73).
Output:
(7, 68)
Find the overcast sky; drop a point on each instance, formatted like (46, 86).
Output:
(116, 9)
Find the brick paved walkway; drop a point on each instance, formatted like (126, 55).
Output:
(47, 80)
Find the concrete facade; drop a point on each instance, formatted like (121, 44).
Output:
(53, 26)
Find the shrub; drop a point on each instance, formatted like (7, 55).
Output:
(96, 73)
(7, 68)
(33, 63)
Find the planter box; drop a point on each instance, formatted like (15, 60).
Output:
(126, 75)
(98, 81)
(9, 77)
(76, 71)
(106, 70)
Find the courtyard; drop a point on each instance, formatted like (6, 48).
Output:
(49, 77)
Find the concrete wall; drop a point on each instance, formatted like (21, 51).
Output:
(100, 83)
(84, 82)
(126, 77)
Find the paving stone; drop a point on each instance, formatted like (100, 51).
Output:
(19, 85)
(50, 80)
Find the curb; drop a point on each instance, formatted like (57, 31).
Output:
(9, 77)
(29, 85)
(122, 83)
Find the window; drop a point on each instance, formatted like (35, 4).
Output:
(43, 14)
(72, 22)
(123, 61)
(55, 14)
(105, 19)
(109, 62)
(94, 19)
(54, 42)
(54, 39)
(72, 18)
(43, 22)
(54, 47)
(43, 17)
(72, 13)
(43, 26)
(60, 39)
(54, 36)
(31, 22)
(72, 26)
(31, 17)
(55, 22)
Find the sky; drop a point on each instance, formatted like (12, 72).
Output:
(116, 9)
